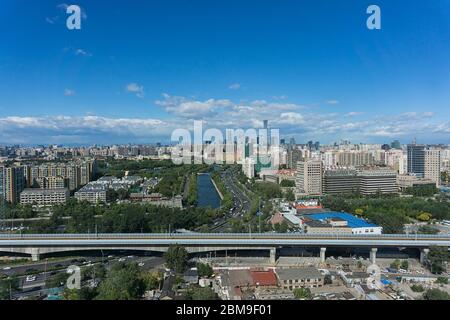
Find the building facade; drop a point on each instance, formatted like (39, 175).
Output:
(309, 177)
(44, 197)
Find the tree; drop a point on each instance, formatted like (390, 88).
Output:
(57, 281)
(396, 264)
(424, 216)
(204, 270)
(437, 256)
(404, 265)
(7, 286)
(436, 294)
(287, 184)
(122, 282)
(281, 227)
(289, 195)
(152, 280)
(302, 293)
(176, 258)
(97, 272)
(417, 288)
(327, 279)
(442, 280)
(199, 293)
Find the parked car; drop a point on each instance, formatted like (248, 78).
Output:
(30, 278)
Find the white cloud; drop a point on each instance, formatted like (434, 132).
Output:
(69, 92)
(51, 20)
(82, 52)
(235, 86)
(135, 88)
(332, 102)
(354, 114)
(90, 128)
(192, 109)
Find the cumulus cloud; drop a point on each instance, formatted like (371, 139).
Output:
(354, 114)
(90, 128)
(135, 88)
(332, 102)
(192, 109)
(69, 92)
(235, 86)
(82, 52)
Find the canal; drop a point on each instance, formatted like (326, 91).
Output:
(207, 195)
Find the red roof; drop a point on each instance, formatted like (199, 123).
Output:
(264, 278)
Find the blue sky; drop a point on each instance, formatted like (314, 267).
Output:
(139, 69)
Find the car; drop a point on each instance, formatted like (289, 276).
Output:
(122, 259)
(30, 278)
(110, 257)
(130, 257)
(7, 268)
(141, 264)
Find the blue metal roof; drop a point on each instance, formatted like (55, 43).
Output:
(352, 221)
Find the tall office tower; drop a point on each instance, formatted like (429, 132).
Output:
(416, 159)
(294, 156)
(403, 164)
(309, 177)
(432, 165)
(291, 142)
(396, 144)
(266, 124)
(12, 183)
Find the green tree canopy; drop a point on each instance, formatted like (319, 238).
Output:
(176, 258)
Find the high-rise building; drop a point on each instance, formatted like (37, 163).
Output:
(309, 177)
(396, 144)
(424, 162)
(293, 156)
(416, 159)
(432, 168)
(12, 182)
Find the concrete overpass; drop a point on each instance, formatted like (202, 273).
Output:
(38, 244)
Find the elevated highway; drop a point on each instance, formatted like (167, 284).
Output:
(37, 244)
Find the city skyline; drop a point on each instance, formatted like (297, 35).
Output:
(133, 74)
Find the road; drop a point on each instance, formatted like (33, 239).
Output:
(241, 203)
(37, 286)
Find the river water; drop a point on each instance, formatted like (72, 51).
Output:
(206, 192)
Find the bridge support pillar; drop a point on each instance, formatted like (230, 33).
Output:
(273, 255)
(424, 255)
(323, 250)
(35, 256)
(373, 255)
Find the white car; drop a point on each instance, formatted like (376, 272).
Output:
(30, 278)
(141, 264)
(121, 259)
(7, 268)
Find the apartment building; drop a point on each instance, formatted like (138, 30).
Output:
(12, 182)
(44, 197)
(309, 177)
